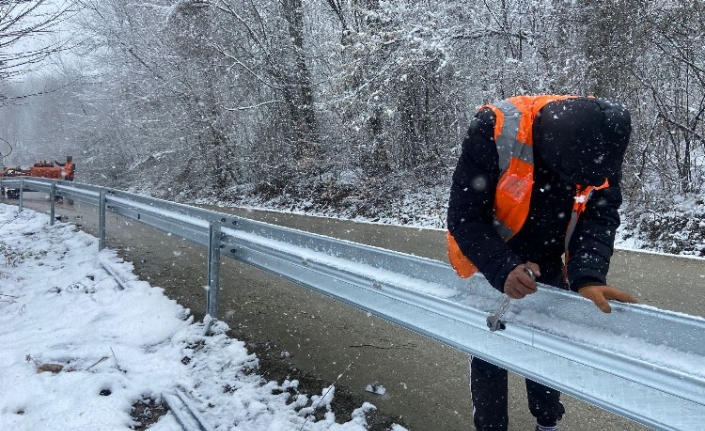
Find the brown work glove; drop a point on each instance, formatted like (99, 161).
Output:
(601, 294)
(520, 282)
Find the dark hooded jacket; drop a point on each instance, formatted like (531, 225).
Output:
(567, 151)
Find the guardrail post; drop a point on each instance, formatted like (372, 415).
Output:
(101, 220)
(215, 236)
(21, 194)
(52, 197)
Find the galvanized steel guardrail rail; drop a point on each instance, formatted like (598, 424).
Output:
(640, 362)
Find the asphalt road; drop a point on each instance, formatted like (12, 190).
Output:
(426, 382)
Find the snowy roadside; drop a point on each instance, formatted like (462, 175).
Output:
(80, 353)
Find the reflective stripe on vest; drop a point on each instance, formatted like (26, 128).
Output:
(516, 170)
(514, 139)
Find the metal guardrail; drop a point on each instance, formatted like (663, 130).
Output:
(640, 362)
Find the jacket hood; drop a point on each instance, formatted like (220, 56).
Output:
(584, 139)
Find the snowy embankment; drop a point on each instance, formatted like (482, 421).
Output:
(78, 352)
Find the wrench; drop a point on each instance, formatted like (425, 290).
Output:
(494, 321)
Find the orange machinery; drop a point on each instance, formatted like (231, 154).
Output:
(39, 170)
(53, 172)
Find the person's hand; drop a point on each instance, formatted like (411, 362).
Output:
(522, 280)
(601, 294)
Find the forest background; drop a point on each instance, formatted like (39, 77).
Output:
(349, 108)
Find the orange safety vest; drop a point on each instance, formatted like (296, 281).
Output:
(68, 167)
(514, 139)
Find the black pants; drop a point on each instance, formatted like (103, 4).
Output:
(488, 386)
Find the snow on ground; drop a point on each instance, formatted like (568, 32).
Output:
(78, 351)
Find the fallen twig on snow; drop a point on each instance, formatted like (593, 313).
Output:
(98, 362)
(116, 362)
(330, 389)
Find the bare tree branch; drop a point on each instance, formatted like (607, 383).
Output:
(23, 25)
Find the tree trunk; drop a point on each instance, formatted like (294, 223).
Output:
(298, 92)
